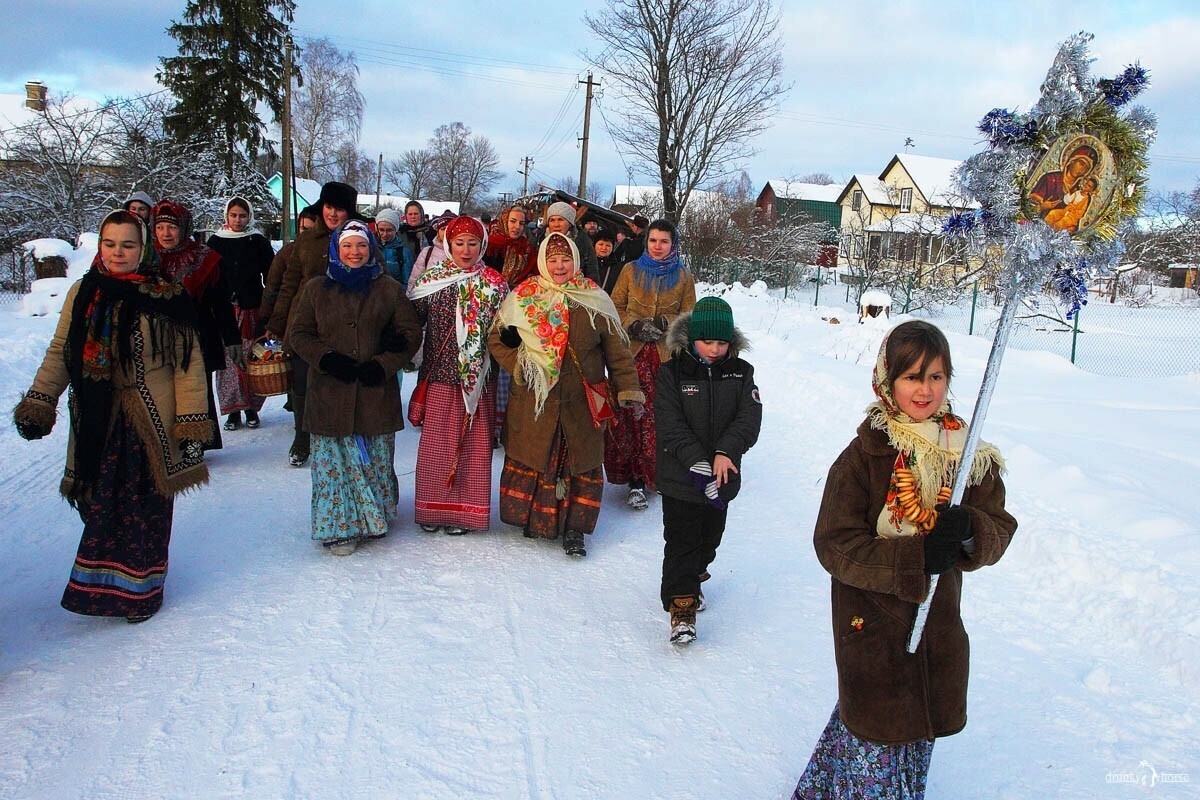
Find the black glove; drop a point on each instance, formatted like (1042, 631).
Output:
(644, 330)
(340, 366)
(393, 341)
(944, 543)
(510, 336)
(370, 373)
(192, 450)
(29, 430)
(662, 323)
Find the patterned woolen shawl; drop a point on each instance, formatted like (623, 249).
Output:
(105, 314)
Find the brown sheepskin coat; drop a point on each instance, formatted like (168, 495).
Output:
(166, 405)
(598, 348)
(885, 694)
(327, 317)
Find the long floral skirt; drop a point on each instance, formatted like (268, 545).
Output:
(845, 767)
(629, 443)
(454, 460)
(233, 387)
(549, 503)
(354, 487)
(121, 564)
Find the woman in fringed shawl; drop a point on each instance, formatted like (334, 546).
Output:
(127, 348)
(555, 331)
(651, 292)
(510, 253)
(357, 329)
(883, 529)
(245, 263)
(457, 300)
(199, 269)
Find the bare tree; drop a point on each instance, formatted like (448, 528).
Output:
(327, 110)
(819, 178)
(57, 178)
(700, 78)
(595, 192)
(1167, 232)
(464, 166)
(412, 173)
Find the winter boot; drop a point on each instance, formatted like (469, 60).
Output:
(637, 499)
(252, 420)
(233, 421)
(573, 544)
(683, 619)
(344, 547)
(134, 620)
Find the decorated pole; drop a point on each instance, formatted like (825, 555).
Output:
(1054, 188)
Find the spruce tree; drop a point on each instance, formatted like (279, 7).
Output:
(230, 60)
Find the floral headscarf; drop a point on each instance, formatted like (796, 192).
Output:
(538, 308)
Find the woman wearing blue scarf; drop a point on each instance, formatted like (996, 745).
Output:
(359, 329)
(651, 292)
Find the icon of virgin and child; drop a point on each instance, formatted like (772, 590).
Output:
(1072, 197)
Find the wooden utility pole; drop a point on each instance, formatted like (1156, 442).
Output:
(587, 124)
(378, 181)
(528, 161)
(285, 232)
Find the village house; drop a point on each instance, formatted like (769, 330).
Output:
(894, 220)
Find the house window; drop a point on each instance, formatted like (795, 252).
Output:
(856, 200)
(905, 200)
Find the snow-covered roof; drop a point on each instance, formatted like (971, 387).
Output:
(934, 177)
(432, 207)
(633, 195)
(875, 190)
(795, 190)
(875, 297)
(46, 248)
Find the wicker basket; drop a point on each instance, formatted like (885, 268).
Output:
(268, 376)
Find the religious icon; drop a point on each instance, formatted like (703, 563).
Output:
(1074, 183)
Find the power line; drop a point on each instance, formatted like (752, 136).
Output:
(105, 106)
(562, 110)
(443, 55)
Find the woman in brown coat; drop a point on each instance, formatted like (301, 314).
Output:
(883, 529)
(554, 332)
(651, 292)
(357, 329)
(127, 346)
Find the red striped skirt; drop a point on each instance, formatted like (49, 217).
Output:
(454, 460)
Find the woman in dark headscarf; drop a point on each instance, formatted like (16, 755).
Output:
(126, 346)
(198, 267)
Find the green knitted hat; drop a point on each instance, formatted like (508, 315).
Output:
(712, 318)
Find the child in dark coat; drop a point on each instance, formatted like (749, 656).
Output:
(707, 415)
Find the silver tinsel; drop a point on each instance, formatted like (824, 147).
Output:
(1144, 123)
(1067, 90)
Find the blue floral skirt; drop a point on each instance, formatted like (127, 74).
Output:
(845, 767)
(354, 487)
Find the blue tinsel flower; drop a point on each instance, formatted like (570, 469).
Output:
(1005, 128)
(1120, 90)
(959, 225)
(1069, 282)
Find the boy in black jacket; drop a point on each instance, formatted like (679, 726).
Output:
(707, 413)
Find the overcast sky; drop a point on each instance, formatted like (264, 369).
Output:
(864, 75)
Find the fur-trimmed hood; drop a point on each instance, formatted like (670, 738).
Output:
(678, 338)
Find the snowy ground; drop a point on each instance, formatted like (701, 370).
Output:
(492, 666)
